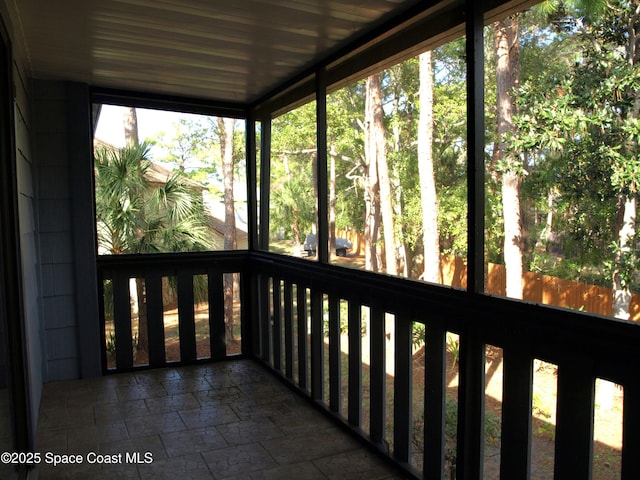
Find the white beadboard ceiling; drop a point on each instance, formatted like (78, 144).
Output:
(233, 50)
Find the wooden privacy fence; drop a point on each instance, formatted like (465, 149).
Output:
(540, 288)
(537, 288)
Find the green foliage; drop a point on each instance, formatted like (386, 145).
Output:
(418, 337)
(452, 216)
(492, 429)
(624, 266)
(451, 432)
(293, 205)
(345, 114)
(135, 216)
(293, 150)
(120, 185)
(193, 147)
(453, 348)
(192, 142)
(575, 146)
(578, 127)
(111, 344)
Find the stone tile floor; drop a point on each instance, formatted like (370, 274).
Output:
(229, 420)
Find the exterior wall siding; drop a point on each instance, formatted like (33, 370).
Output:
(55, 234)
(62, 147)
(28, 239)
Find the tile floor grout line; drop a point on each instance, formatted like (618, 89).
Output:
(248, 392)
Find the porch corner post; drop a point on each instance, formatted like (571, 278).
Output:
(252, 179)
(471, 401)
(249, 284)
(322, 243)
(265, 181)
(475, 141)
(83, 220)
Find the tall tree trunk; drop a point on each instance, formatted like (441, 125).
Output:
(401, 247)
(627, 208)
(627, 204)
(372, 188)
(626, 234)
(226, 129)
(379, 155)
(507, 78)
(546, 239)
(131, 127)
(131, 140)
(429, 199)
(314, 169)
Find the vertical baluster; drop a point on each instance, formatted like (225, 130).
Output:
(574, 422)
(248, 319)
(402, 386)
(276, 339)
(264, 318)
(122, 320)
(288, 329)
(217, 337)
(301, 307)
(317, 347)
(102, 276)
(335, 381)
(378, 375)
(515, 445)
(631, 430)
(186, 317)
(434, 400)
(355, 363)
(470, 442)
(155, 322)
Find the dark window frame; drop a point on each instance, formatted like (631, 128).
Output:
(433, 25)
(100, 96)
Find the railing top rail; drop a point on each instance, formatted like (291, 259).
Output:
(226, 260)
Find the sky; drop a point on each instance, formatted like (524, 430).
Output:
(151, 123)
(111, 127)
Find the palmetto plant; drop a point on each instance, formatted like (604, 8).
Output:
(135, 216)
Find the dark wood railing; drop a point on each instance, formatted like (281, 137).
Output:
(116, 273)
(292, 324)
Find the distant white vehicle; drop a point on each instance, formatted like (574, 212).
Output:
(342, 245)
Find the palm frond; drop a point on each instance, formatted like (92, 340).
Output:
(135, 216)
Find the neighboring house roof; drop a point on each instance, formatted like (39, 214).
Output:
(217, 224)
(157, 174)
